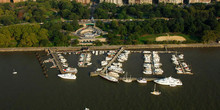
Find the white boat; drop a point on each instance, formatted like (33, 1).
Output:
(14, 72)
(114, 74)
(67, 76)
(89, 63)
(110, 78)
(70, 70)
(103, 63)
(96, 52)
(93, 52)
(169, 81)
(99, 69)
(181, 56)
(86, 108)
(155, 92)
(141, 80)
(108, 58)
(126, 79)
(147, 72)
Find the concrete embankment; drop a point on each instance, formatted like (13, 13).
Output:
(108, 47)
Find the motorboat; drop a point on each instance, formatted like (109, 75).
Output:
(67, 76)
(14, 72)
(99, 69)
(155, 92)
(147, 72)
(181, 56)
(103, 63)
(141, 80)
(70, 70)
(114, 74)
(110, 78)
(169, 81)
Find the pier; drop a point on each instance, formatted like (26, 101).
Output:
(135, 79)
(113, 59)
(52, 61)
(152, 64)
(181, 66)
(106, 67)
(56, 59)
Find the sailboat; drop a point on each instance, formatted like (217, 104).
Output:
(14, 72)
(126, 79)
(155, 92)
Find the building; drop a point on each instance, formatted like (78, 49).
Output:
(5, 1)
(140, 1)
(83, 1)
(16, 1)
(89, 33)
(199, 1)
(171, 1)
(117, 2)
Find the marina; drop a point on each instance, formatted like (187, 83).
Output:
(111, 70)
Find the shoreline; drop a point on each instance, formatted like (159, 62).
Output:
(108, 47)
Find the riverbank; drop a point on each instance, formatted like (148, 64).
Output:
(108, 47)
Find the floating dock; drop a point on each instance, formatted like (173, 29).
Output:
(181, 66)
(135, 79)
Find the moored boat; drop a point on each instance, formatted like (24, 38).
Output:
(169, 81)
(67, 76)
(110, 78)
(141, 80)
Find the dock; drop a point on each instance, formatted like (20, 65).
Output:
(181, 66)
(52, 61)
(135, 79)
(106, 67)
(113, 59)
(57, 61)
(84, 60)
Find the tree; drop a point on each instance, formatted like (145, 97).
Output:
(5, 40)
(209, 36)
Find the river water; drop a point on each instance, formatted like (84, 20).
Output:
(30, 90)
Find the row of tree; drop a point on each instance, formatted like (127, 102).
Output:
(131, 32)
(109, 10)
(24, 36)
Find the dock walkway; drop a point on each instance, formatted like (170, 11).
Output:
(56, 59)
(113, 59)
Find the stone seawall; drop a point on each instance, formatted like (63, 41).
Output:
(108, 47)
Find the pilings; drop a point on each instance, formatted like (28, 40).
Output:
(42, 65)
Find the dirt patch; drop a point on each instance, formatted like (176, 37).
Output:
(170, 38)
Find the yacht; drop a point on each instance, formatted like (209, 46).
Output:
(113, 74)
(155, 92)
(141, 80)
(169, 81)
(67, 76)
(70, 70)
(110, 78)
